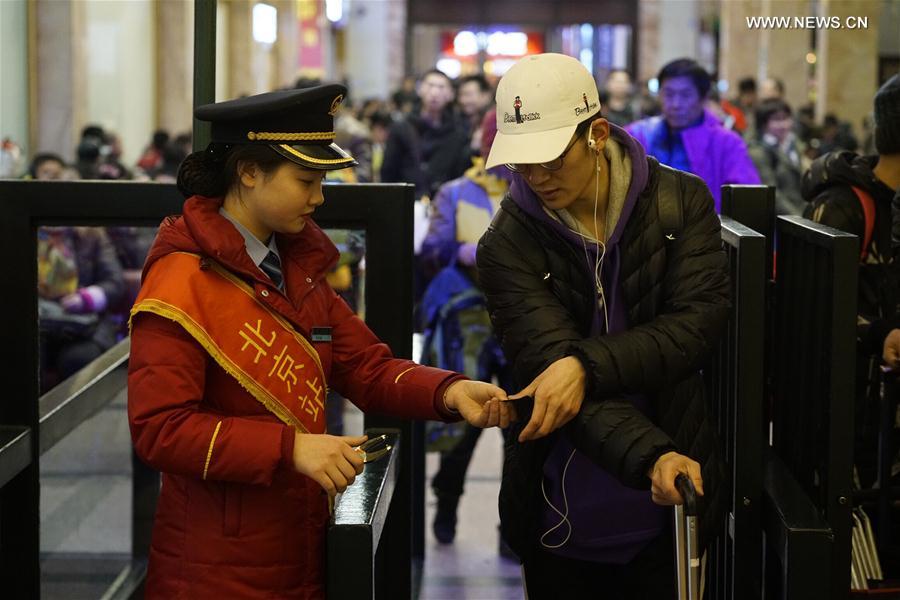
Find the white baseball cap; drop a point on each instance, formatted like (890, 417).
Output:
(540, 102)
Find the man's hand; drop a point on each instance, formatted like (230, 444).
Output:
(328, 460)
(480, 403)
(891, 351)
(662, 478)
(558, 393)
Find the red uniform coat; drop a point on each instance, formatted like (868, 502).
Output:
(254, 527)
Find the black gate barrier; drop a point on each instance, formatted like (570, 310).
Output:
(798, 542)
(735, 384)
(29, 425)
(363, 516)
(810, 349)
(754, 207)
(813, 370)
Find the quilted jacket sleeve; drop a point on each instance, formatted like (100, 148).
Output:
(173, 431)
(365, 371)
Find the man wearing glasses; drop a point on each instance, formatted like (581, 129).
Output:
(689, 137)
(607, 317)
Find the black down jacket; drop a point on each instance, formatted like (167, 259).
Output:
(677, 299)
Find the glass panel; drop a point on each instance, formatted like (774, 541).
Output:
(348, 279)
(86, 507)
(88, 278)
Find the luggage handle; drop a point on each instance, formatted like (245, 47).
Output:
(688, 492)
(687, 549)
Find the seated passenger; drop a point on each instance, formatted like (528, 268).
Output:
(79, 281)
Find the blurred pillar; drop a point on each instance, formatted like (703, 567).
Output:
(648, 40)
(847, 61)
(783, 52)
(680, 32)
(286, 51)
(397, 34)
(61, 94)
(175, 60)
(241, 79)
(14, 68)
(373, 70)
(667, 30)
(738, 43)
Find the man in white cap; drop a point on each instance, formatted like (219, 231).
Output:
(608, 289)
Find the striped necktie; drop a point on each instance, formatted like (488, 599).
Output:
(271, 266)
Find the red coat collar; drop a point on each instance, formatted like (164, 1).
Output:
(202, 230)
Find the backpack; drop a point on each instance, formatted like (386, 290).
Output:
(449, 294)
(458, 337)
(868, 208)
(669, 204)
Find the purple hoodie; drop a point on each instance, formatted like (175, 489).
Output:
(610, 523)
(717, 155)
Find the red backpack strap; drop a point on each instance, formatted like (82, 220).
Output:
(868, 206)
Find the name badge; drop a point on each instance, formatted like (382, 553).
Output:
(321, 334)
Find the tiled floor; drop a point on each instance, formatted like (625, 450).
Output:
(471, 568)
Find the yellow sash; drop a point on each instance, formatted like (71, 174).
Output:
(255, 345)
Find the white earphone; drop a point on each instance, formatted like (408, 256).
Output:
(598, 284)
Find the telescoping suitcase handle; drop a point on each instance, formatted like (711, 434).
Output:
(687, 549)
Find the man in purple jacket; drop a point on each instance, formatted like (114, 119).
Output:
(687, 137)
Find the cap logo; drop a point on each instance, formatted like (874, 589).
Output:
(588, 106)
(519, 117)
(335, 104)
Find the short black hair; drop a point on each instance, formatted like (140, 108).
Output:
(42, 158)
(478, 78)
(768, 109)
(303, 82)
(617, 70)
(747, 85)
(160, 138)
(585, 125)
(95, 131)
(381, 118)
(436, 72)
(686, 67)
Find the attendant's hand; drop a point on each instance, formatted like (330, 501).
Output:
(558, 393)
(481, 404)
(662, 478)
(328, 460)
(891, 350)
